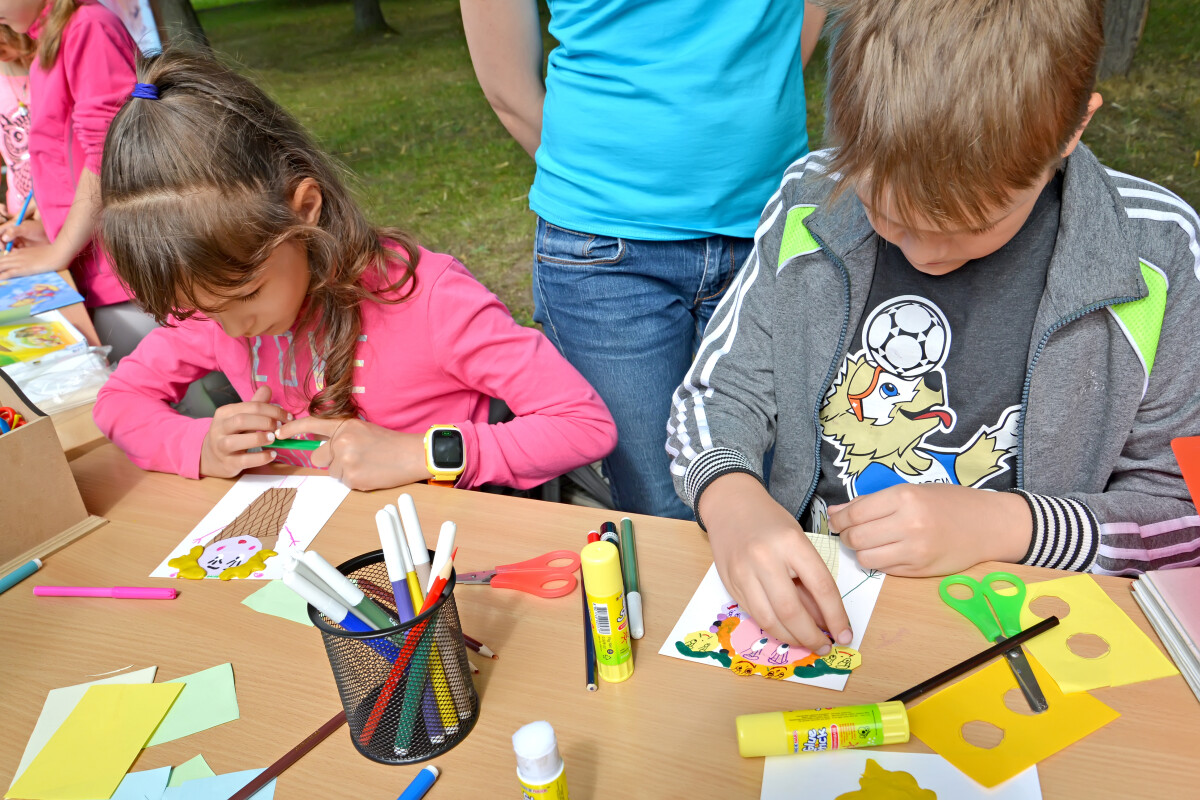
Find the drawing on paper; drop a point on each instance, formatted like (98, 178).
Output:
(261, 516)
(878, 783)
(243, 546)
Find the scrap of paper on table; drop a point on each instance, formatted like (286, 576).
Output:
(1027, 738)
(713, 630)
(190, 770)
(845, 775)
(219, 786)
(59, 705)
(279, 601)
(210, 548)
(1132, 656)
(89, 755)
(208, 699)
(147, 785)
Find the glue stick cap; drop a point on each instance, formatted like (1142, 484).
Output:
(601, 565)
(536, 747)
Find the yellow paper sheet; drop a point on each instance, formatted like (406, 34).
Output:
(89, 755)
(1028, 738)
(1132, 656)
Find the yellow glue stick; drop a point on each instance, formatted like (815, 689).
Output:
(782, 733)
(601, 566)
(539, 766)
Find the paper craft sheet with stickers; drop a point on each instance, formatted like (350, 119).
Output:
(260, 517)
(714, 630)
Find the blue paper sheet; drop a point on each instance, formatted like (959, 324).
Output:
(147, 785)
(219, 786)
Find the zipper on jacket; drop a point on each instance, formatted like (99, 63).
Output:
(829, 375)
(1020, 481)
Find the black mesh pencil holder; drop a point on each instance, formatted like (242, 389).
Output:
(407, 690)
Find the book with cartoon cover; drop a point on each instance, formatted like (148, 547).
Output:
(36, 294)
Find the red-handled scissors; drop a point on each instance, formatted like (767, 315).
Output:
(548, 575)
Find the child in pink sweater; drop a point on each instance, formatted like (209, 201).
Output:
(232, 228)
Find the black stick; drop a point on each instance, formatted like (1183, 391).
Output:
(975, 661)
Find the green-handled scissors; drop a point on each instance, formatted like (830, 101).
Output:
(984, 608)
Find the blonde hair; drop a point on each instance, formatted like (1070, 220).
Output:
(50, 38)
(952, 105)
(196, 188)
(20, 42)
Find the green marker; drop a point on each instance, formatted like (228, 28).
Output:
(294, 444)
(633, 595)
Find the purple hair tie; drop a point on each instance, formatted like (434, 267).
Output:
(146, 91)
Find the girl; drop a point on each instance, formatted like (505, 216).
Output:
(81, 74)
(230, 226)
(16, 53)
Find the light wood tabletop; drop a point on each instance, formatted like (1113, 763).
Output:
(668, 732)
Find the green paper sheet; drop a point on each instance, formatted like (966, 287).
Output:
(278, 600)
(190, 771)
(208, 700)
(89, 755)
(59, 705)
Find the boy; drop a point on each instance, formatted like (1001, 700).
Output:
(961, 336)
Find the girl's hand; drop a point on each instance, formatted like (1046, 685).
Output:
(31, 260)
(917, 530)
(29, 232)
(769, 566)
(361, 454)
(236, 428)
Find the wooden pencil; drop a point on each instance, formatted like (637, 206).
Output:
(291, 757)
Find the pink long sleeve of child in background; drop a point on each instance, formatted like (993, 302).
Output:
(434, 358)
(72, 105)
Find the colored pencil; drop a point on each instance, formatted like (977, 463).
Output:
(479, 647)
(20, 217)
(589, 644)
(291, 757)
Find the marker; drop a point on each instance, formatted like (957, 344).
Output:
(394, 562)
(629, 570)
(19, 574)
(593, 536)
(337, 612)
(347, 591)
(420, 784)
(410, 569)
(416, 538)
(20, 218)
(589, 646)
(291, 444)
(425, 659)
(116, 592)
(445, 547)
(608, 533)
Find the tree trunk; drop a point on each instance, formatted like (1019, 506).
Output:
(1124, 21)
(368, 17)
(178, 23)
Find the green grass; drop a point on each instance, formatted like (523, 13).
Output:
(405, 113)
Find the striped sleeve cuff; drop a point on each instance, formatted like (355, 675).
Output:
(1065, 533)
(707, 467)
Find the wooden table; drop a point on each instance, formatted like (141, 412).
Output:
(77, 431)
(666, 733)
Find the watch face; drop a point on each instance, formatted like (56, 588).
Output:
(447, 449)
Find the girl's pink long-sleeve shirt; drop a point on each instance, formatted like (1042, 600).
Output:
(71, 106)
(434, 358)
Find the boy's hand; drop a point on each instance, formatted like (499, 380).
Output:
(361, 454)
(769, 566)
(917, 530)
(236, 428)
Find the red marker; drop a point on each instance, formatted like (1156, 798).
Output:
(593, 537)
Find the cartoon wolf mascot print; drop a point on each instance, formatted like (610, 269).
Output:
(893, 394)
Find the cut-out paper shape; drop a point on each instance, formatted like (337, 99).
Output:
(89, 755)
(878, 783)
(938, 722)
(1132, 656)
(59, 705)
(191, 770)
(841, 773)
(279, 601)
(714, 630)
(143, 785)
(208, 699)
(215, 786)
(259, 517)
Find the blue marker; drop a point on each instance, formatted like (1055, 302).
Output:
(420, 784)
(20, 218)
(337, 612)
(19, 574)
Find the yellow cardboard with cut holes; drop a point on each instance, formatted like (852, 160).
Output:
(1028, 738)
(1131, 656)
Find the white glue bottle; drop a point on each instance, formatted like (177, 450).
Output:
(539, 766)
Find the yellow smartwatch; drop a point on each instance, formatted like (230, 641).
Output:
(445, 457)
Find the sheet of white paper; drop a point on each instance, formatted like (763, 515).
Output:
(59, 705)
(317, 497)
(826, 776)
(859, 587)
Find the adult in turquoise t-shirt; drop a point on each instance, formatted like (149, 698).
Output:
(659, 131)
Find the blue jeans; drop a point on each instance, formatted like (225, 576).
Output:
(629, 315)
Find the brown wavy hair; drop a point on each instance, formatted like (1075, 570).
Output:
(196, 189)
(20, 42)
(50, 38)
(955, 104)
